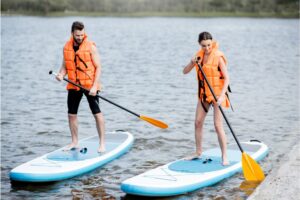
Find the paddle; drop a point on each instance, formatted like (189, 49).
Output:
(251, 170)
(152, 121)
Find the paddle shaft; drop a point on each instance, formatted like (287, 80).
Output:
(98, 95)
(220, 107)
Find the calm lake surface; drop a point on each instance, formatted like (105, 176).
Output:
(142, 61)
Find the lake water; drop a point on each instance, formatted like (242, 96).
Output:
(142, 61)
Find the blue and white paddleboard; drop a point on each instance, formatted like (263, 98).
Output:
(184, 176)
(60, 164)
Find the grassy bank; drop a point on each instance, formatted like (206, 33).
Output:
(155, 14)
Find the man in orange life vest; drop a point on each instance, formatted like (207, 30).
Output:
(82, 65)
(214, 66)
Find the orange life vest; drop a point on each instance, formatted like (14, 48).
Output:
(214, 75)
(80, 67)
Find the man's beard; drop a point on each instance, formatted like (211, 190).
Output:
(78, 41)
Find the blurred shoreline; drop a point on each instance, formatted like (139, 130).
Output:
(154, 14)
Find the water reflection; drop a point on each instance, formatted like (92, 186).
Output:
(248, 187)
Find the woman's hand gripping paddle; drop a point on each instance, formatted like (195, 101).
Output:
(251, 169)
(152, 121)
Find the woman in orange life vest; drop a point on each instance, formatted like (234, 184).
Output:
(82, 65)
(213, 63)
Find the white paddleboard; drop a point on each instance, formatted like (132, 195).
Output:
(60, 164)
(184, 176)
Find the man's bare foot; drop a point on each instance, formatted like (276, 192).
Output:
(101, 149)
(194, 156)
(71, 146)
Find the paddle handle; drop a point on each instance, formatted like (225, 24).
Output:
(220, 107)
(86, 90)
(109, 101)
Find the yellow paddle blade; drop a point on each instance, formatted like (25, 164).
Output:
(155, 122)
(251, 170)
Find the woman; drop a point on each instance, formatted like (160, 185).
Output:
(213, 63)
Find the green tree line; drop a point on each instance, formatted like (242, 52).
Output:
(272, 7)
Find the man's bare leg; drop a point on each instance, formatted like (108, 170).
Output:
(73, 125)
(101, 131)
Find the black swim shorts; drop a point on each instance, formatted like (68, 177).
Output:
(74, 98)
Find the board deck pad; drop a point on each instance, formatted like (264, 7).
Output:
(203, 164)
(87, 149)
(199, 165)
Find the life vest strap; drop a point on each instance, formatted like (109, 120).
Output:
(203, 106)
(78, 68)
(229, 89)
(229, 99)
(81, 61)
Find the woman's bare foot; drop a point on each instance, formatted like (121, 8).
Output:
(101, 149)
(225, 162)
(71, 146)
(194, 156)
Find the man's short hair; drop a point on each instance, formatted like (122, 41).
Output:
(77, 26)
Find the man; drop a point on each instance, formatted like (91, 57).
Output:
(82, 65)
